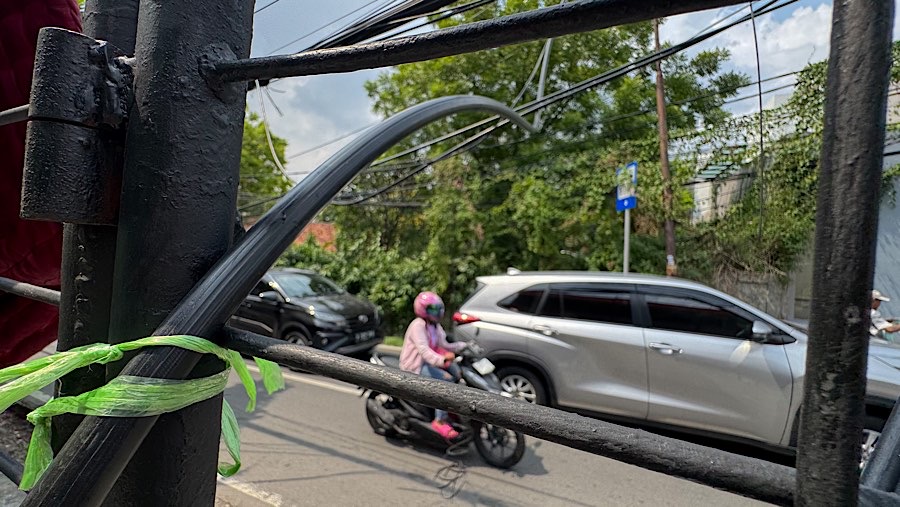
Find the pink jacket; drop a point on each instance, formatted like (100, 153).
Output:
(417, 351)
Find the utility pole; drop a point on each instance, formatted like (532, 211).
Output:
(671, 267)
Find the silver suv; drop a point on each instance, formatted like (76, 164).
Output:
(658, 351)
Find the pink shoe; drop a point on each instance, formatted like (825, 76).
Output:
(444, 429)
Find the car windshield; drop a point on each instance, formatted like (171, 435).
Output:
(303, 285)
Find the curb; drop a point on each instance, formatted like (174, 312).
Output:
(388, 349)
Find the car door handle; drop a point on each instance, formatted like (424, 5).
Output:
(546, 330)
(666, 349)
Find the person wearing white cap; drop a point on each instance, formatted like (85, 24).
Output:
(879, 325)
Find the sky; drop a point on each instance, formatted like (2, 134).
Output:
(318, 109)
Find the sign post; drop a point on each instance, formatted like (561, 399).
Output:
(626, 199)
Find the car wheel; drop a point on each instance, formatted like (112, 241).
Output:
(299, 336)
(870, 436)
(523, 384)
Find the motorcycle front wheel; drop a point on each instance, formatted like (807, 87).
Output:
(498, 446)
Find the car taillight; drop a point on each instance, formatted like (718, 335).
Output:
(464, 318)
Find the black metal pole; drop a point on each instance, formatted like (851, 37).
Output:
(11, 468)
(846, 226)
(176, 219)
(26, 290)
(14, 115)
(883, 470)
(90, 462)
(719, 469)
(88, 251)
(114, 21)
(562, 19)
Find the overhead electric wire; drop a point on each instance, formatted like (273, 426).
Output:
(722, 19)
(327, 143)
(604, 135)
(304, 36)
(454, 10)
(363, 24)
(474, 140)
(375, 22)
(384, 22)
(442, 15)
(591, 82)
(551, 99)
(470, 142)
(264, 7)
(271, 144)
(762, 148)
(537, 66)
(690, 100)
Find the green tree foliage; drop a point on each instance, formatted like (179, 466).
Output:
(260, 177)
(516, 184)
(542, 201)
(768, 229)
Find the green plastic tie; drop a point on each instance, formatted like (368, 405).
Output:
(128, 396)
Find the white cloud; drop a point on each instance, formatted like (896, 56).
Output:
(316, 110)
(784, 46)
(785, 43)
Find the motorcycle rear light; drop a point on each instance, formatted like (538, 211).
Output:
(464, 318)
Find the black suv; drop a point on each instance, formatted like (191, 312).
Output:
(304, 307)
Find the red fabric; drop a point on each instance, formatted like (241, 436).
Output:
(30, 251)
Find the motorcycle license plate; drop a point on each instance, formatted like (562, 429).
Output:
(483, 366)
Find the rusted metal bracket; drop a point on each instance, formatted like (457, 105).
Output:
(80, 98)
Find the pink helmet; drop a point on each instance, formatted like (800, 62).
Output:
(429, 306)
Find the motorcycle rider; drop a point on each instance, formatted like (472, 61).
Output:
(427, 352)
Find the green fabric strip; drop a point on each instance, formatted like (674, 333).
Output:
(128, 396)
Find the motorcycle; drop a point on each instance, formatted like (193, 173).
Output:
(390, 416)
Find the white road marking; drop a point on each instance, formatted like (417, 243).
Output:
(313, 382)
(273, 499)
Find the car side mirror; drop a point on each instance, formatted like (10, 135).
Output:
(761, 331)
(270, 295)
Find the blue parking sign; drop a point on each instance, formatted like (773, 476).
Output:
(626, 187)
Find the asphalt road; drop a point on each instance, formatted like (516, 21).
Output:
(311, 445)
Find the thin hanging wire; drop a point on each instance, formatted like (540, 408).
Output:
(762, 152)
(262, 106)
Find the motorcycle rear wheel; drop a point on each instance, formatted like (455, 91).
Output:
(500, 447)
(378, 426)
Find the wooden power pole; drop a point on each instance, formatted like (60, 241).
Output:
(671, 266)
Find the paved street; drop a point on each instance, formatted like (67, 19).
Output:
(311, 445)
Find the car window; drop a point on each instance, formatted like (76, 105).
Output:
(694, 316)
(596, 304)
(553, 306)
(302, 285)
(260, 287)
(524, 301)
